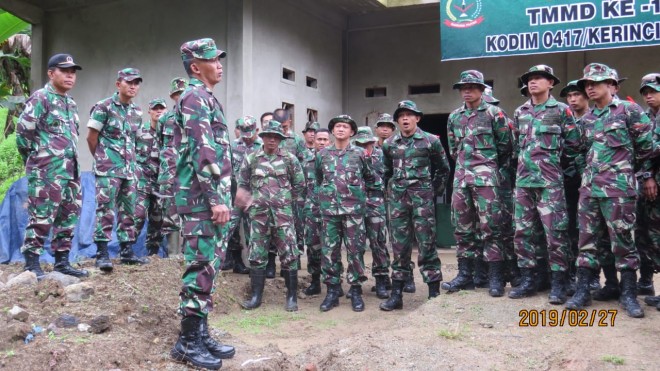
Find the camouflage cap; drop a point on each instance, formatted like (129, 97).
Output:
(62, 61)
(385, 118)
(204, 49)
(571, 86)
(542, 70)
(365, 135)
(247, 125)
(488, 96)
(273, 127)
(177, 85)
(311, 125)
(470, 77)
(343, 118)
(157, 102)
(597, 72)
(129, 74)
(407, 105)
(652, 80)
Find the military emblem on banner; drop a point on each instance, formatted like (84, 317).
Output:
(463, 14)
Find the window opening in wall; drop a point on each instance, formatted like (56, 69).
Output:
(423, 89)
(375, 92)
(290, 108)
(312, 82)
(312, 115)
(288, 74)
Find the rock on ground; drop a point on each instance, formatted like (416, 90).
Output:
(64, 279)
(26, 278)
(79, 291)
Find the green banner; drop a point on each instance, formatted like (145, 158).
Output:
(494, 28)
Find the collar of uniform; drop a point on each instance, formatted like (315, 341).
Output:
(197, 82)
(482, 106)
(262, 153)
(416, 135)
(49, 87)
(116, 101)
(551, 102)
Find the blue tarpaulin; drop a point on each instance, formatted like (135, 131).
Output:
(14, 218)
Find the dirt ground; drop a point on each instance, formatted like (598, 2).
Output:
(463, 331)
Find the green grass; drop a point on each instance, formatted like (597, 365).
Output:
(256, 321)
(615, 360)
(452, 334)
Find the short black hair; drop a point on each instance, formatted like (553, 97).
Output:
(280, 115)
(323, 130)
(264, 115)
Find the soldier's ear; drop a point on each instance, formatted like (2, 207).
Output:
(194, 68)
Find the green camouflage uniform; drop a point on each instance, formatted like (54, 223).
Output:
(47, 139)
(312, 216)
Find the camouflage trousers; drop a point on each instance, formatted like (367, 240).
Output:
(235, 239)
(412, 216)
(507, 230)
(375, 225)
(120, 194)
(572, 191)
(312, 235)
(547, 206)
(477, 215)
(52, 203)
(615, 216)
(203, 256)
(647, 231)
(349, 230)
(171, 220)
(273, 226)
(149, 206)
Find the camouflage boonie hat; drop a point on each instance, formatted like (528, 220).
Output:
(204, 49)
(386, 118)
(407, 105)
(470, 77)
(129, 74)
(365, 135)
(177, 85)
(346, 119)
(311, 125)
(524, 91)
(488, 96)
(273, 127)
(247, 125)
(652, 80)
(597, 72)
(571, 86)
(619, 80)
(540, 69)
(157, 102)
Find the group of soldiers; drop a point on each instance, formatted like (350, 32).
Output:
(539, 199)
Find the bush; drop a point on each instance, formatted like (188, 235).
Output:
(11, 164)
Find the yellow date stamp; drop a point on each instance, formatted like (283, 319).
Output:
(565, 317)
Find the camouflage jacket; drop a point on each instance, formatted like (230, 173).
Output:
(295, 144)
(417, 162)
(480, 143)
(275, 181)
(375, 159)
(655, 119)
(309, 169)
(239, 150)
(147, 154)
(619, 141)
(344, 180)
(204, 165)
(117, 125)
(47, 135)
(168, 153)
(544, 134)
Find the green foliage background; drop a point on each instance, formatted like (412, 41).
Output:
(11, 163)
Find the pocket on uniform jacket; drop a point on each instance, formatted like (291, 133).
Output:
(483, 138)
(616, 134)
(352, 178)
(56, 126)
(549, 136)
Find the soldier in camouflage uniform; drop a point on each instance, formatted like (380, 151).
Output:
(618, 138)
(147, 154)
(47, 139)
(275, 181)
(374, 220)
(308, 133)
(416, 172)
(167, 168)
(385, 128)
(203, 200)
(113, 125)
(345, 180)
(480, 143)
(246, 143)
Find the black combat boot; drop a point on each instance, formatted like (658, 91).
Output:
(257, 281)
(381, 287)
(653, 301)
(314, 287)
(463, 280)
(356, 298)
(594, 285)
(513, 272)
(103, 257)
(270, 267)
(127, 256)
(480, 276)
(409, 286)
(153, 250)
(611, 290)
(228, 263)
(628, 299)
(331, 298)
(542, 275)
(496, 279)
(349, 293)
(190, 348)
(216, 348)
(645, 283)
(388, 284)
(62, 265)
(582, 297)
(434, 289)
(557, 288)
(396, 298)
(571, 280)
(32, 264)
(291, 281)
(527, 285)
(239, 266)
